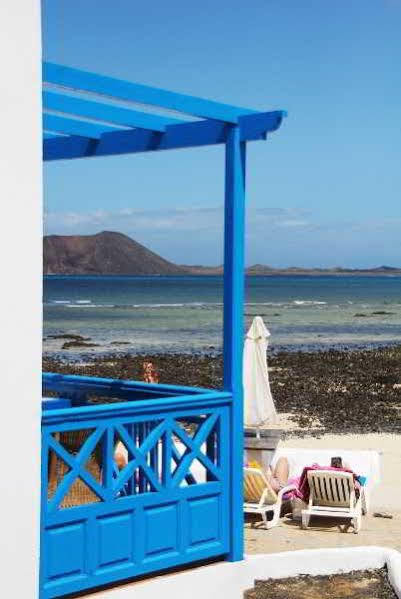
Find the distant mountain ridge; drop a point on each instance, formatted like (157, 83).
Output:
(262, 270)
(111, 253)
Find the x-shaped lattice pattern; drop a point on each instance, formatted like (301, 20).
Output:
(155, 460)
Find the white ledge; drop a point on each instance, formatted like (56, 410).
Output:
(226, 579)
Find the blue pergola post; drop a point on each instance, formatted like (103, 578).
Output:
(233, 321)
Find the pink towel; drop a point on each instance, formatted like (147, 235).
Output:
(302, 491)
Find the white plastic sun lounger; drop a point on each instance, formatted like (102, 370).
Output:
(333, 494)
(260, 498)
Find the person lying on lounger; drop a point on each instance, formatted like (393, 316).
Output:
(278, 476)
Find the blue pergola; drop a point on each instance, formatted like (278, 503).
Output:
(151, 515)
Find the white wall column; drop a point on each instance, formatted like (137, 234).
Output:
(20, 295)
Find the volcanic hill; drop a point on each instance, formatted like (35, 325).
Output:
(106, 253)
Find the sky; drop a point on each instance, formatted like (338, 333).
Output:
(325, 190)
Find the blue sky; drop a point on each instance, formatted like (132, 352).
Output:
(323, 191)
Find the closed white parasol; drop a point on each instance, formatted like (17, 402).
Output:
(259, 405)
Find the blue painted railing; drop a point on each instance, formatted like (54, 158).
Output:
(167, 504)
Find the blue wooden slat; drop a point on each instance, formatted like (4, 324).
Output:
(124, 476)
(141, 477)
(68, 515)
(234, 220)
(167, 453)
(211, 448)
(195, 453)
(154, 455)
(55, 403)
(108, 460)
(138, 455)
(261, 123)
(62, 124)
(189, 478)
(43, 501)
(106, 112)
(132, 431)
(224, 460)
(48, 135)
(201, 133)
(73, 418)
(135, 92)
(62, 382)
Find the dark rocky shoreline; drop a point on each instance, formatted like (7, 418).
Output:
(325, 392)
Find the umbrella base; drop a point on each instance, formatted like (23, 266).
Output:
(260, 444)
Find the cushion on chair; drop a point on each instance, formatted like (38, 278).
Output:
(255, 485)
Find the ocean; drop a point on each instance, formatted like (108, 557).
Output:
(184, 314)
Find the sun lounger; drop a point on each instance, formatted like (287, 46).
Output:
(333, 494)
(363, 462)
(260, 497)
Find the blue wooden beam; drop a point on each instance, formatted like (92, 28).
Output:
(135, 92)
(233, 337)
(200, 133)
(48, 135)
(53, 122)
(106, 112)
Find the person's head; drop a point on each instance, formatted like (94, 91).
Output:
(336, 462)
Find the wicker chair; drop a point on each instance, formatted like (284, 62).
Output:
(79, 493)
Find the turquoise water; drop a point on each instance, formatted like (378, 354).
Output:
(185, 313)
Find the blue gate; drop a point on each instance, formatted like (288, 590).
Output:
(134, 487)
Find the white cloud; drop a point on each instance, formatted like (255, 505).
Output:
(207, 221)
(203, 219)
(195, 234)
(131, 221)
(293, 223)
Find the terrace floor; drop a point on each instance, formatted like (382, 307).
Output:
(323, 532)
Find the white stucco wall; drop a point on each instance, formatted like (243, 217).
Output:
(230, 580)
(20, 294)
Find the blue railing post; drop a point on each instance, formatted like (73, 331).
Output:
(233, 322)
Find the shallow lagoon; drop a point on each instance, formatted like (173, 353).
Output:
(185, 313)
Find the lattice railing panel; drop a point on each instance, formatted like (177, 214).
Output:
(119, 459)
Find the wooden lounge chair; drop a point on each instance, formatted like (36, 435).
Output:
(333, 494)
(260, 497)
